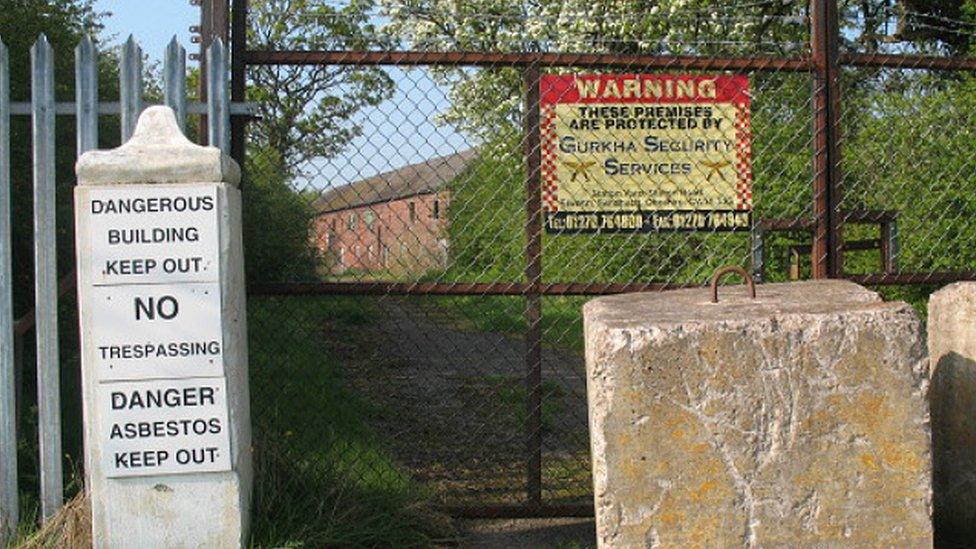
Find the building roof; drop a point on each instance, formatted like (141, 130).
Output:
(421, 178)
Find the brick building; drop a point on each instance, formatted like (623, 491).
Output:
(394, 222)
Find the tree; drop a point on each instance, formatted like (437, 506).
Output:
(488, 99)
(64, 22)
(306, 112)
(940, 22)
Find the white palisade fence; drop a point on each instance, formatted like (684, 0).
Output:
(43, 111)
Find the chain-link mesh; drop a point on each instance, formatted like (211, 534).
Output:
(394, 202)
(906, 119)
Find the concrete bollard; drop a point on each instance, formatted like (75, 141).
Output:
(952, 355)
(796, 419)
(164, 348)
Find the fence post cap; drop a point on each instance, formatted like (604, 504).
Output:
(157, 152)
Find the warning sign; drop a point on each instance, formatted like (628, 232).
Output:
(163, 427)
(645, 152)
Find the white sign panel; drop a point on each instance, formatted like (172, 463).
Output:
(154, 234)
(163, 427)
(152, 331)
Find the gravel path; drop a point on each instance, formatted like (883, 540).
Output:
(452, 406)
(575, 533)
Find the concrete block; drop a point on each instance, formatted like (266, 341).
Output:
(952, 355)
(798, 419)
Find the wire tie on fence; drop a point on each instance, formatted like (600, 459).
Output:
(722, 271)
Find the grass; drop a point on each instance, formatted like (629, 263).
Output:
(562, 317)
(512, 395)
(69, 528)
(322, 478)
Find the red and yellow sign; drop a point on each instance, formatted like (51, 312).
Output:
(645, 152)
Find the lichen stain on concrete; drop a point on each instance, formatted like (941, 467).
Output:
(785, 427)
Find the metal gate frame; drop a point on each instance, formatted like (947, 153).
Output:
(824, 66)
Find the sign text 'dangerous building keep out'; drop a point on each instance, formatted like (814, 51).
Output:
(154, 234)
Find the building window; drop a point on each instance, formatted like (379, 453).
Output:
(368, 218)
(352, 221)
(411, 207)
(437, 209)
(332, 225)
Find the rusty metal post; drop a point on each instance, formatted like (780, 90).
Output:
(220, 18)
(238, 69)
(213, 24)
(827, 251)
(206, 35)
(533, 275)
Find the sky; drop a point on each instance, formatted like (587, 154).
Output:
(398, 132)
(152, 22)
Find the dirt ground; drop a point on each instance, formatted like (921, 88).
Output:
(534, 533)
(452, 407)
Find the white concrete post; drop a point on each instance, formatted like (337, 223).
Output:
(164, 349)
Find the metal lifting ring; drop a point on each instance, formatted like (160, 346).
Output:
(720, 272)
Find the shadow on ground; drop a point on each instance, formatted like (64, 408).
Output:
(535, 533)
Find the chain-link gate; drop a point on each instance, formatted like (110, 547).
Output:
(450, 318)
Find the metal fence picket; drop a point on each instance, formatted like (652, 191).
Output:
(86, 95)
(174, 80)
(46, 278)
(130, 86)
(218, 98)
(8, 408)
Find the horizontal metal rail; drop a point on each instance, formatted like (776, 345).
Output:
(26, 322)
(760, 63)
(459, 288)
(299, 57)
(114, 107)
(849, 246)
(880, 279)
(907, 61)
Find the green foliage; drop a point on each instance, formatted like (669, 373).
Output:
(941, 22)
(920, 127)
(64, 22)
(277, 244)
(306, 112)
(322, 477)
